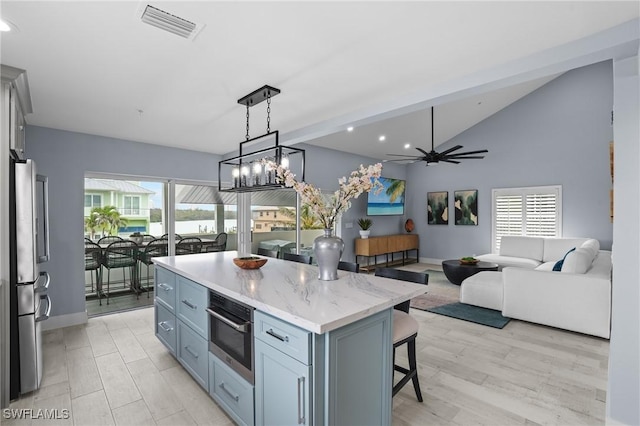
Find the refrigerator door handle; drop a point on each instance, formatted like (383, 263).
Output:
(47, 281)
(45, 316)
(45, 220)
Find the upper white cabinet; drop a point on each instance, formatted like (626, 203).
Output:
(16, 104)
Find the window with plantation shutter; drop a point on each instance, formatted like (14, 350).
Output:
(532, 211)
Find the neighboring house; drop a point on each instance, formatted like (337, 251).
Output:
(268, 218)
(131, 200)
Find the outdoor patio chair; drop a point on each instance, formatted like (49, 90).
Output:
(155, 248)
(189, 245)
(405, 329)
(109, 239)
(121, 254)
(147, 238)
(93, 262)
(219, 244)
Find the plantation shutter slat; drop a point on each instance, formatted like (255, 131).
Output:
(531, 211)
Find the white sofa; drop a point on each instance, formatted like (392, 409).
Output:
(576, 298)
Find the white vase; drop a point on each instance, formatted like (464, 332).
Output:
(327, 250)
(364, 234)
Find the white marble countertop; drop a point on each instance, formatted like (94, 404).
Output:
(292, 291)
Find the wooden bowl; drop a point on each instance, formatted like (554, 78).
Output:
(249, 262)
(469, 262)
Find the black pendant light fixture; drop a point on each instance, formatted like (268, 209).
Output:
(248, 172)
(448, 156)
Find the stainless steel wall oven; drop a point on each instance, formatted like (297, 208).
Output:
(231, 333)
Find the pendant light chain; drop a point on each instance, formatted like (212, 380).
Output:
(268, 111)
(247, 135)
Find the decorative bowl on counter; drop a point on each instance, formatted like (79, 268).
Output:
(468, 261)
(249, 262)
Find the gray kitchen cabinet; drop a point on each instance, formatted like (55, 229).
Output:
(283, 388)
(181, 322)
(231, 391)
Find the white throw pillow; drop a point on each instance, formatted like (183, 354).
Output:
(593, 246)
(578, 261)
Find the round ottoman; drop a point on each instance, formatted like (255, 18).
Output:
(483, 289)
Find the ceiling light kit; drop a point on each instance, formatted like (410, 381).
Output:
(247, 172)
(445, 156)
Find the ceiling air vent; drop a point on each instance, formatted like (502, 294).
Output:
(168, 22)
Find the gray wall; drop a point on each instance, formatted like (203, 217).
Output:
(326, 166)
(558, 134)
(65, 157)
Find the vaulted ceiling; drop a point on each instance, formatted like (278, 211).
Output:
(95, 68)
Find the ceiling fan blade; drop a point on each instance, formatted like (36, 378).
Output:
(405, 155)
(450, 161)
(463, 157)
(480, 151)
(451, 150)
(422, 151)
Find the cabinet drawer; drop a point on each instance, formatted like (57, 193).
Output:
(283, 336)
(192, 300)
(165, 290)
(166, 327)
(192, 353)
(231, 391)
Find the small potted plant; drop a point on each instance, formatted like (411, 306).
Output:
(136, 237)
(365, 224)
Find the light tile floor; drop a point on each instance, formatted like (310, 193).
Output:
(113, 370)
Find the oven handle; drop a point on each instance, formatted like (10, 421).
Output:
(243, 328)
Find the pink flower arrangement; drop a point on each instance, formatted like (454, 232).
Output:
(327, 208)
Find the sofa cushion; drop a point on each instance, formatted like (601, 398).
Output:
(578, 261)
(546, 267)
(556, 248)
(527, 247)
(502, 261)
(558, 265)
(592, 245)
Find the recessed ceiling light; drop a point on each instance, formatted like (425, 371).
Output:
(350, 129)
(407, 145)
(382, 138)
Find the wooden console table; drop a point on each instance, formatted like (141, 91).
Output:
(386, 245)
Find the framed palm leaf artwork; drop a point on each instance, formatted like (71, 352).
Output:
(466, 207)
(438, 208)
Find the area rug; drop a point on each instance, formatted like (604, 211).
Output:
(431, 299)
(427, 301)
(471, 313)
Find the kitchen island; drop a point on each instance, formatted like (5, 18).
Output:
(322, 350)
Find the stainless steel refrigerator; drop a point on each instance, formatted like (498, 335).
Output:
(29, 301)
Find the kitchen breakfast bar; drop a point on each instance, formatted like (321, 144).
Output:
(277, 346)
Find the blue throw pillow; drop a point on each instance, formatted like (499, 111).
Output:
(558, 266)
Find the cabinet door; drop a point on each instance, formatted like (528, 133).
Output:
(165, 291)
(283, 388)
(16, 129)
(193, 354)
(192, 300)
(166, 327)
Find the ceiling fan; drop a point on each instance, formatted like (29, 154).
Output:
(447, 156)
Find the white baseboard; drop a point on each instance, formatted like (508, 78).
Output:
(610, 422)
(60, 321)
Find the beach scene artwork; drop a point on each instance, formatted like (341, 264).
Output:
(389, 201)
